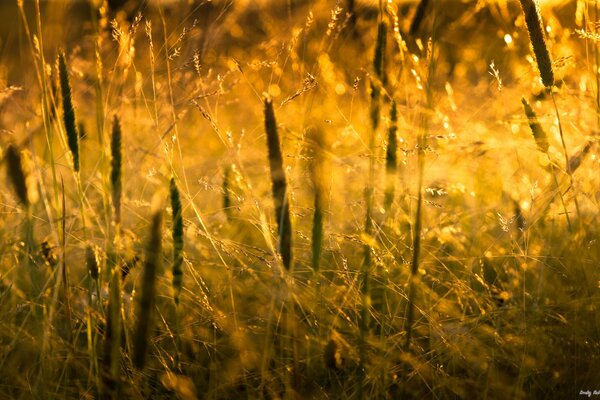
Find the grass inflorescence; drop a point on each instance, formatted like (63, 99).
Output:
(279, 185)
(68, 110)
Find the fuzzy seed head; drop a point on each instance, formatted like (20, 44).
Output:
(177, 235)
(535, 27)
(16, 174)
(541, 139)
(68, 110)
(116, 167)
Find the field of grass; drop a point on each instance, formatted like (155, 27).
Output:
(299, 199)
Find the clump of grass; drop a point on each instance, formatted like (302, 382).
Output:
(68, 110)
(279, 184)
(535, 27)
(16, 174)
(116, 166)
(391, 158)
(177, 234)
(152, 265)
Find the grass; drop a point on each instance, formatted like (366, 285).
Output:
(389, 221)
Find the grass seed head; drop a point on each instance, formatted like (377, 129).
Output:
(91, 260)
(177, 235)
(152, 265)
(541, 139)
(16, 173)
(68, 110)
(116, 167)
(535, 27)
(279, 184)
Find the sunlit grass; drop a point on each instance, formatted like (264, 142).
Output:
(283, 200)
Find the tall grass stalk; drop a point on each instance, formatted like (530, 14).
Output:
(279, 185)
(66, 292)
(114, 323)
(152, 266)
(365, 274)
(318, 174)
(71, 133)
(93, 268)
(537, 37)
(114, 326)
(541, 139)
(418, 218)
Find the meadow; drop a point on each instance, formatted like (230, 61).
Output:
(299, 199)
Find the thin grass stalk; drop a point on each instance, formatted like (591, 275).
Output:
(93, 268)
(64, 272)
(418, 222)
(541, 140)
(279, 185)
(99, 107)
(566, 154)
(152, 266)
(365, 273)
(113, 333)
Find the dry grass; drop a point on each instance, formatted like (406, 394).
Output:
(468, 270)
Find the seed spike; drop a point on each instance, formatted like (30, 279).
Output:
(541, 139)
(279, 183)
(535, 27)
(152, 266)
(68, 110)
(177, 235)
(16, 174)
(116, 167)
